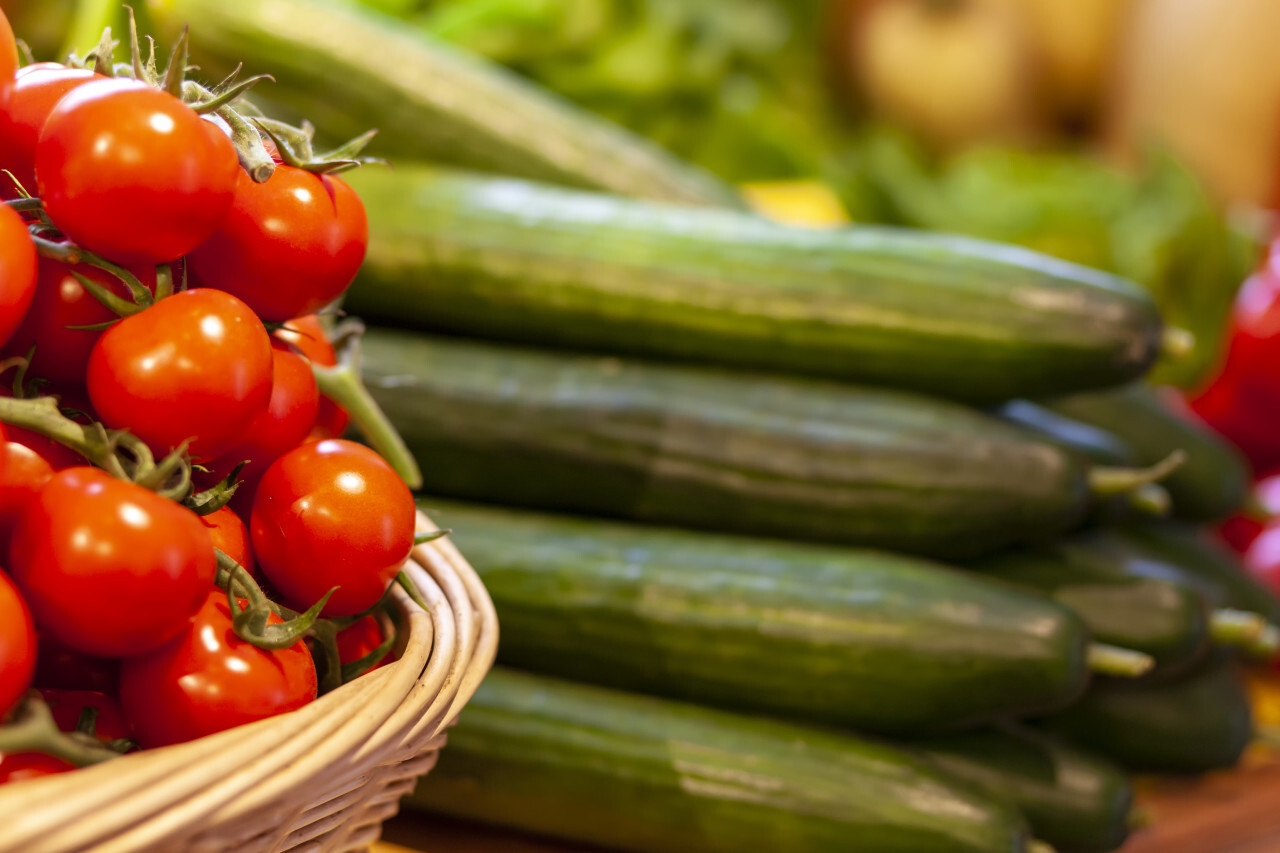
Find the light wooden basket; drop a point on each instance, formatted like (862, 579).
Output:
(322, 778)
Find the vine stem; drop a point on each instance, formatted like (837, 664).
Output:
(31, 728)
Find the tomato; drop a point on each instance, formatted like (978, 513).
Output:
(285, 423)
(332, 513)
(58, 456)
(60, 302)
(30, 765)
(289, 246)
(307, 335)
(359, 639)
(17, 271)
(36, 91)
(132, 173)
(109, 567)
(8, 61)
(67, 705)
(17, 646)
(229, 535)
(196, 365)
(60, 667)
(207, 679)
(23, 474)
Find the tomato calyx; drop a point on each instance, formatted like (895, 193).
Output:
(31, 728)
(294, 145)
(218, 495)
(342, 384)
(70, 254)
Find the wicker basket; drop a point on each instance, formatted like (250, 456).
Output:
(322, 778)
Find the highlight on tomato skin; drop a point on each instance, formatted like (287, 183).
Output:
(17, 645)
(17, 271)
(37, 89)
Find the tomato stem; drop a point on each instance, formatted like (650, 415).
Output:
(71, 254)
(32, 729)
(21, 204)
(253, 155)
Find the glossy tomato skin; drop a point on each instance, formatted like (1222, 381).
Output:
(229, 535)
(207, 680)
(60, 302)
(67, 705)
(286, 421)
(289, 246)
(307, 335)
(8, 60)
(23, 474)
(18, 767)
(132, 173)
(359, 639)
(36, 91)
(17, 645)
(332, 514)
(108, 567)
(196, 365)
(17, 271)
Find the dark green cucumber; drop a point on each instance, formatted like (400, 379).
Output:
(944, 315)
(1102, 447)
(1114, 594)
(1194, 724)
(862, 639)
(690, 447)
(349, 69)
(654, 776)
(1075, 801)
(1213, 480)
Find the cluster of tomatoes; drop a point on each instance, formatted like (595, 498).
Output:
(183, 532)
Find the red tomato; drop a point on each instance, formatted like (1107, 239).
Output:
(289, 246)
(67, 705)
(229, 535)
(196, 365)
(207, 679)
(359, 639)
(36, 91)
(30, 765)
(23, 474)
(327, 514)
(109, 567)
(285, 423)
(17, 271)
(58, 456)
(308, 336)
(60, 667)
(62, 353)
(17, 646)
(8, 60)
(132, 173)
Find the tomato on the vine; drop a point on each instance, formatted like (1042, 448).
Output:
(359, 639)
(36, 91)
(17, 271)
(207, 679)
(8, 60)
(229, 535)
(132, 173)
(195, 366)
(307, 335)
(108, 567)
(66, 706)
(20, 766)
(17, 646)
(23, 474)
(332, 514)
(289, 246)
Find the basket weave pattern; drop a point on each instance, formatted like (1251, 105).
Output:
(322, 778)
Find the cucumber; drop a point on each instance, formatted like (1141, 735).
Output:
(1099, 445)
(1194, 724)
(1115, 595)
(1075, 801)
(689, 447)
(654, 776)
(861, 639)
(944, 315)
(349, 69)
(1214, 479)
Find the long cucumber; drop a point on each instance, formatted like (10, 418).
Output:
(944, 315)
(862, 639)
(745, 453)
(654, 776)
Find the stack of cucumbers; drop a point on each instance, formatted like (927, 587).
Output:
(860, 539)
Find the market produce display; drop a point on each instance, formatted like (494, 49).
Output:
(183, 540)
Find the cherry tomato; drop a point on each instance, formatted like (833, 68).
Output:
(229, 535)
(67, 705)
(307, 335)
(36, 91)
(285, 423)
(109, 567)
(19, 766)
(17, 271)
(207, 679)
(132, 173)
(359, 639)
(58, 456)
(17, 646)
(332, 514)
(23, 473)
(60, 667)
(61, 302)
(289, 246)
(8, 61)
(196, 366)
